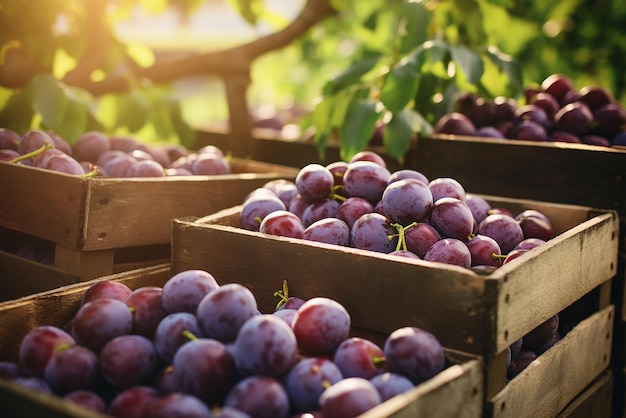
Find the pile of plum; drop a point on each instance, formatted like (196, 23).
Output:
(196, 348)
(554, 111)
(96, 153)
(363, 205)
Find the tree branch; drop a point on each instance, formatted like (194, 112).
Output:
(222, 63)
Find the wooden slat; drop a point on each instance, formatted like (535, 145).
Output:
(106, 213)
(455, 296)
(42, 203)
(20, 277)
(547, 385)
(595, 401)
(560, 272)
(553, 172)
(58, 306)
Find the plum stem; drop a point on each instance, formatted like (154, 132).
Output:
(336, 196)
(93, 173)
(190, 335)
(46, 146)
(282, 294)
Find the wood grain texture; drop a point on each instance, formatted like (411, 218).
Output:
(20, 277)
(42, 203)
(551, 382)
(565, 173)
(106, 213)
(58, 306)
(595, 401)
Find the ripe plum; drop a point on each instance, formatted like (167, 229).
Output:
(320, 325)
(314, 182)
(449, 251)
(329, 230)
(371, 232)
(265, 345)
(222, 312)
(282, 223)
(415, 353)
(407, 200)
(366, 179)
(183, 291)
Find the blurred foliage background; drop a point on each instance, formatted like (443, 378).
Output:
(348, 62)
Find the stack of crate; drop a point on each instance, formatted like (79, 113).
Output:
(99, 226)
(475, 313)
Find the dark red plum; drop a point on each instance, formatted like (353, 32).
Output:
(415, 353)
(450, 251)
(420, 237)
(367, 180)
(484, 251)
(314, 182)
(575, 118)
(557, 85)
(349, 397)
(320, 326)
(452, 218)
(371, 232)
(455, 123)
(407, 200)
(352, 209)
(282, 223)
(329, 230)
(504, 229)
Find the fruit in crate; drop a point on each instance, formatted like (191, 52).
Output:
(554, 111)
(226, 358)
(401, 213)
(95, 153)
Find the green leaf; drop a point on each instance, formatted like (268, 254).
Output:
(340, 104)
(351, 75)
(358, 127)
(399, 86)
(321, 119)
(141, 54)
(469, 62)
(509, 66)
(48, 99)
(397, 134)
(74, 122)
(247, 9)
(132, 110)
(185, 133)
(161, 121)
(416, 18)
(17, 113)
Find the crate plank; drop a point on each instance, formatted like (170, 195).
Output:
(554, 172)
(106, 213)
(58, 306)
(21, 277)
(546, 386)
(595, 401)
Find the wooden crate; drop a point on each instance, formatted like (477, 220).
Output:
(456, 391)
(559, 375)
(556, 172)
(595, 401)
(468, 310)
(91, 220)
(22, 277)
